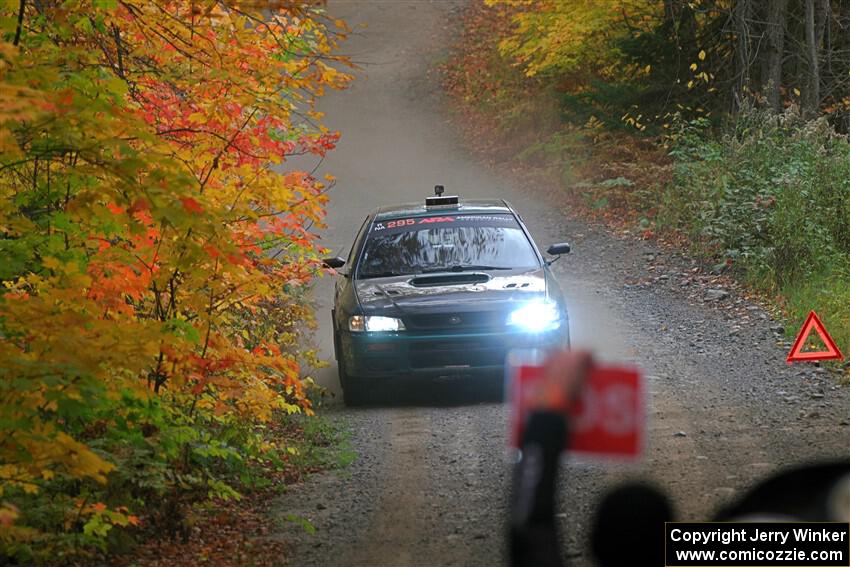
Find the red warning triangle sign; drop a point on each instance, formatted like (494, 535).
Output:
(797, 354)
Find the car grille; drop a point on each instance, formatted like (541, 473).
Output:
(479, 320)
(460, 352)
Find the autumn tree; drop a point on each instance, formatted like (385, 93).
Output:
(638, 54)
(156, 249)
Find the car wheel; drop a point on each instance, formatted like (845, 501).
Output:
(355, 392)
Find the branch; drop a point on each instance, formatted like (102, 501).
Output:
(224, 148)
(116, 33)
(20, 25)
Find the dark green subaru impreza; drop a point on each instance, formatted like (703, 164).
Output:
(442, 289)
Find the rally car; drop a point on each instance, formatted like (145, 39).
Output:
(441, 289)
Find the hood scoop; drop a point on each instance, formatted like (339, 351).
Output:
(450, 279)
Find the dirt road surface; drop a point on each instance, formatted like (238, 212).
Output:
(430, 481)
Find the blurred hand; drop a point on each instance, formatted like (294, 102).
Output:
(564, 375)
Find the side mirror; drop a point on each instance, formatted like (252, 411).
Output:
(558, 249)
(334, 263)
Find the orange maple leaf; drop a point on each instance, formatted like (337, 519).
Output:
(191, 205)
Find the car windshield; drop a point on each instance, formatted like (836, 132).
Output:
(419, 245)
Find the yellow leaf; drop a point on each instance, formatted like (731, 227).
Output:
(702, 55)
(50, 262)
(797, 92)
(647, 69)
(693, 66)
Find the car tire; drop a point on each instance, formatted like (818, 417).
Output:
(495, 389)
(355, 392)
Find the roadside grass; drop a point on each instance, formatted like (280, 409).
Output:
(830, 294)
(324, 445)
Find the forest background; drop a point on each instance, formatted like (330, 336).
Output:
(719, 126)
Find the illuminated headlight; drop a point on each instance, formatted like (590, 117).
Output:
(374, 324)
(536, 317)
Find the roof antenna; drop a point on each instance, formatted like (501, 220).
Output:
(438, 190)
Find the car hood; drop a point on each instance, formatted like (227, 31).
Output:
(452, 291)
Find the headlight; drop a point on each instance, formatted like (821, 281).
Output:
(536, 317)
(374, 323)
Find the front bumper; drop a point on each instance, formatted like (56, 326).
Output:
(414, 354)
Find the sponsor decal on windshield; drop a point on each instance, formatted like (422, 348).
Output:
(416, 223)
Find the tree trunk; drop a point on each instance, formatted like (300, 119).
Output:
(670, 11)
(742, 15)
(811, 101)
(771, 74)
(822, 9)
(822, 12)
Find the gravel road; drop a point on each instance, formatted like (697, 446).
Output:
(429, 484)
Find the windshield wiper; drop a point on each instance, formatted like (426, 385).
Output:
(462, 268)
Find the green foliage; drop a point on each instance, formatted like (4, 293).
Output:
(771, 196)
(304, 523)
(772, 193)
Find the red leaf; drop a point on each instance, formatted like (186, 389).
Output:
(191, 205)
(139, 205)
